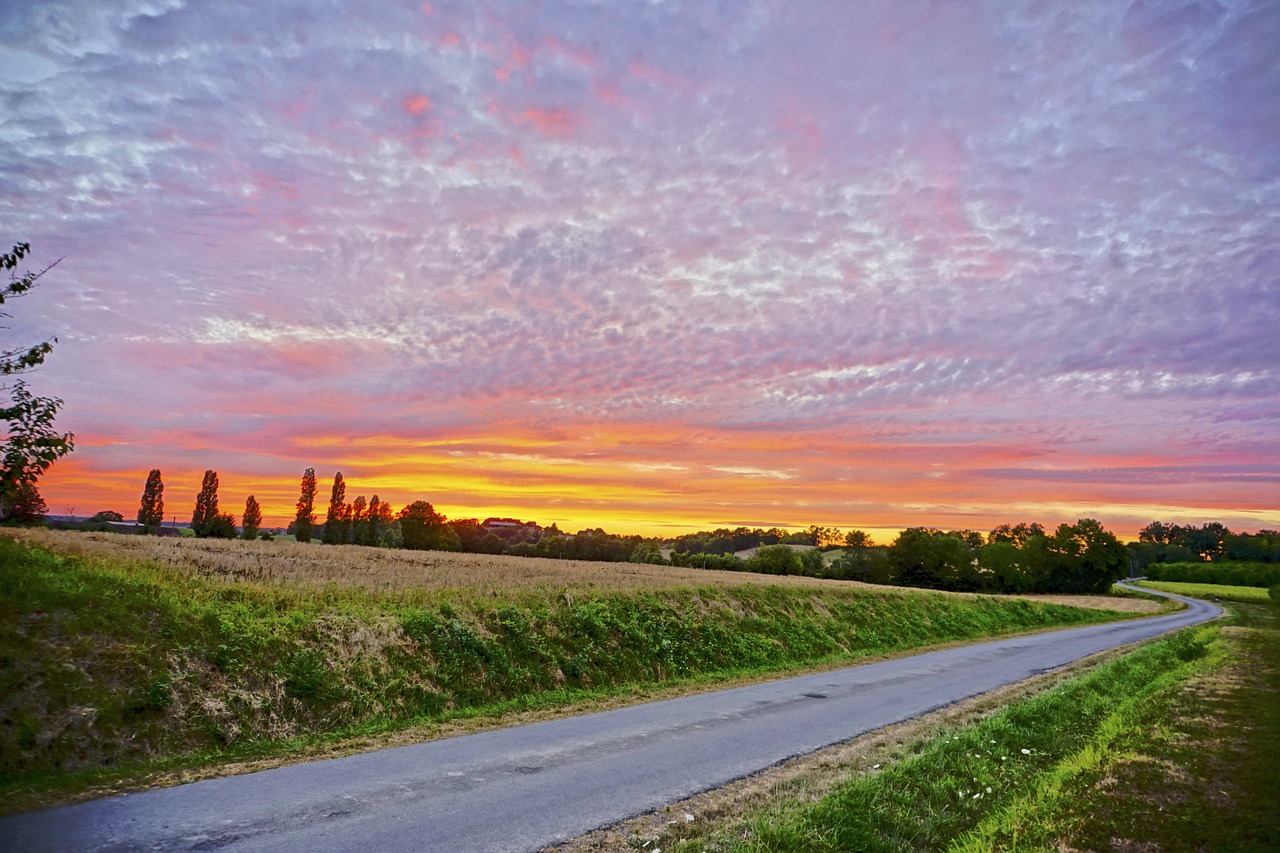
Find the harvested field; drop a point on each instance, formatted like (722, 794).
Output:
(392, 571)
(427, 574)
(1122, 603)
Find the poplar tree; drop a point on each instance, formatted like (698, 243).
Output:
(252, 520)
(151, 509)
(305, 518)
(206, 503)
(373, 519)
(334, 534)
(356, 531)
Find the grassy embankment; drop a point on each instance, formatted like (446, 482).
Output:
(133, 655)
(1171, 747)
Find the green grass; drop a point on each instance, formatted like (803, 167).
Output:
(1149, 748)
(110, 669)
(1212, 591)
(1231, 572)
(1199, 771)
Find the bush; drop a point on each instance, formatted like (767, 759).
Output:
(219, 527)
(307, 675)
(775, 560)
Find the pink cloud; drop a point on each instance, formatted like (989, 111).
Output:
(643, 70)
(416, 104)
(580, 56)
(606, 92)
(558, 122)
(520, 57)
(804, 140)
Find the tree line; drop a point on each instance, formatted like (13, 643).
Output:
(1011, 558)
(1174, 543)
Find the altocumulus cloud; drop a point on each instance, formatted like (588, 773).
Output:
(885, 248)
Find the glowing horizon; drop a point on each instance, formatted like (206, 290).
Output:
(658, 267)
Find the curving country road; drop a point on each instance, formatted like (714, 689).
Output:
(523, 788)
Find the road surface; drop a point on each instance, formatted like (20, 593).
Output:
(523, 788)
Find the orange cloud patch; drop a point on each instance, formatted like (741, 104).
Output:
(416, 105)
(558, 123)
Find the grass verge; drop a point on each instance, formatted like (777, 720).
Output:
(1212, 591)
(114, 669)
(1171, 747)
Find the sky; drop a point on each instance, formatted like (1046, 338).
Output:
(657, 266)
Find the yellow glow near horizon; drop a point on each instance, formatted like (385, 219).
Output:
(659, 484)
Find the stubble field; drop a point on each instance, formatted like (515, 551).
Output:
(424, 576)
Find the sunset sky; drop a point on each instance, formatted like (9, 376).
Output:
(657, 266)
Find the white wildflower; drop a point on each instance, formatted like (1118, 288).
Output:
(1026, 752)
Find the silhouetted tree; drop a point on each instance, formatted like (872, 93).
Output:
(305, 518)
(23, 358)
(858, 539)
(356, 527)
(424, 529)
(1083, 557)
(251, 521)
(28, 506)
(333, 526)
(151, 508)
(206, 509)
(374, 521)
(221, 526)
(1017, 534)
(468, 530)
(31, 445)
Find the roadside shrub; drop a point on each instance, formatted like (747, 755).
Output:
(155, 695)
(307, 675)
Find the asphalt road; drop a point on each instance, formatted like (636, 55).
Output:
(523, 788)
